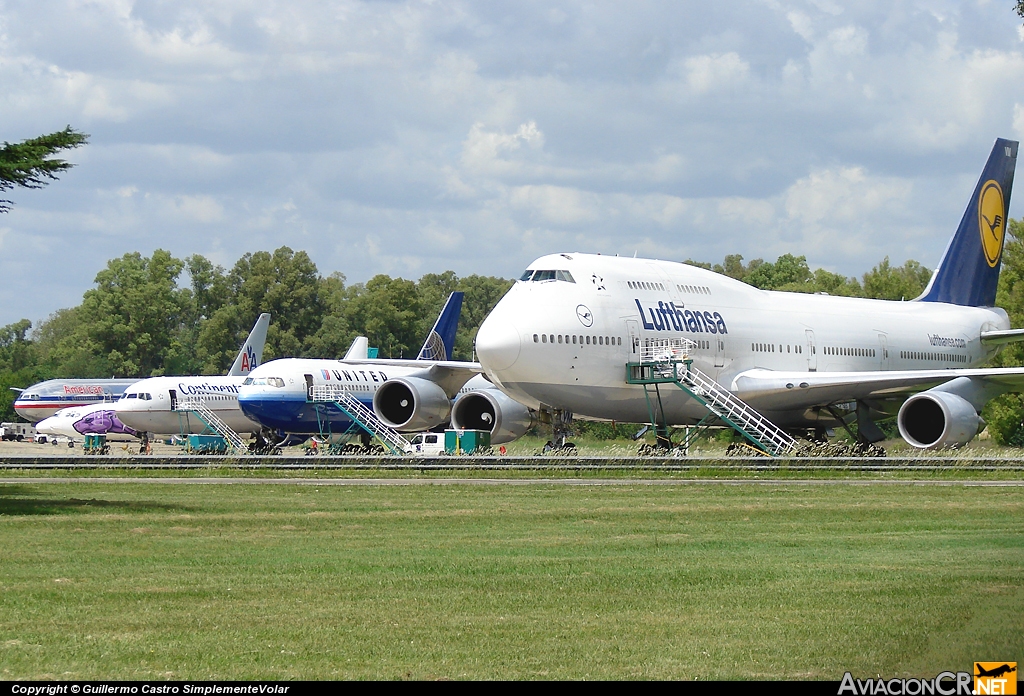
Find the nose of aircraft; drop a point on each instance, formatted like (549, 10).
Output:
(48, 426)
(498, 341)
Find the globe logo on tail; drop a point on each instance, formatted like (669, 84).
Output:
(991, 221)
(434, 348)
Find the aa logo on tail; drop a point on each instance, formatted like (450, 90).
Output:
(991, 222)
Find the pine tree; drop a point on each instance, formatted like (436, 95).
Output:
(30, 163)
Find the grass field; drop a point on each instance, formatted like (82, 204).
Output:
(149, 581)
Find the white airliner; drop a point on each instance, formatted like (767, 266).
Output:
(75, 422)
(149, 405)
(408, 395)
(560, 339)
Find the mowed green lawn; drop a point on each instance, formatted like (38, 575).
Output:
(147, 581)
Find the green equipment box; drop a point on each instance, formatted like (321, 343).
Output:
(466, 441)
(206, 444)
(95, 444)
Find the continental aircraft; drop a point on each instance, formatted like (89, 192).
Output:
(148, 406)
(408, 395)
(44, 399)
(562, 335)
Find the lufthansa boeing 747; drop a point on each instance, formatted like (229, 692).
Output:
(561, 338)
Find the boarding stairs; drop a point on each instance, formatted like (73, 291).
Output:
(196, 405)
(364, 417)
(667, 361)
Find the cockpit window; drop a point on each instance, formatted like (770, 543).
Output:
(537, 276)
(247, 382)
(526, 274)
(133, 395)
(275, 381)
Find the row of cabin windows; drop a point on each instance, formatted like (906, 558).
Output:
(770, 348)
(850, 352)
(946, 357)
(537, 276)
(582, 340)
(644, 285)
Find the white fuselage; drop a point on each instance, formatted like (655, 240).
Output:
(564, 342)
(151, 404)
(75, 422)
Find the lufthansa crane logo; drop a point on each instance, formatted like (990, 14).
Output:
(585, 316)
(991, 222)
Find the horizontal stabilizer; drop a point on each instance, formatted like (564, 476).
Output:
(996, 338)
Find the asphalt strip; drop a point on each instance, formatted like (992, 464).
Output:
(222, 481)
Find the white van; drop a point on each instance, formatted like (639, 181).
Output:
(426, 445)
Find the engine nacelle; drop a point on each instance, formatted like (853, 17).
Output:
(490, 409)
(936, 419)
(411, 404)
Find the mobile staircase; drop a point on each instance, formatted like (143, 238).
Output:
(213, 422)
(360, 415)
(667, 361)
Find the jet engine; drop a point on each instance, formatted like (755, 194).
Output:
(411, 404)
(490, 409)
(936, 419)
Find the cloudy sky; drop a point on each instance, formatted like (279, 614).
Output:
(414, 137)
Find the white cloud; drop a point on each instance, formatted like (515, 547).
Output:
(204, 209)
(714, 72)
(557, 204)
(844, 131)
(487, 151)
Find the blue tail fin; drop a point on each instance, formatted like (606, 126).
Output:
(969, 270)
(440, 343)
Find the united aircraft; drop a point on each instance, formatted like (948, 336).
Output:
(150, 405)
(407, 395)
(561, 337)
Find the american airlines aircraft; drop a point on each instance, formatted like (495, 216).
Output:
(44, 399)
(148, 406)
(560, 339)
(408, 395)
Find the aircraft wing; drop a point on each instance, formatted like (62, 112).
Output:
(450, 375)
(780, 391)
(473, 367)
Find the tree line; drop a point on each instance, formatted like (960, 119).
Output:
(148, 316)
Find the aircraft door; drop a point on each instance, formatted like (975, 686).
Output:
(885, 360)
(309, 387)
(174, 399)
(719, 352)
(633, 329)
(812, 353)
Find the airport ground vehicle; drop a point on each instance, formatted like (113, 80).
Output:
(17, 431)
